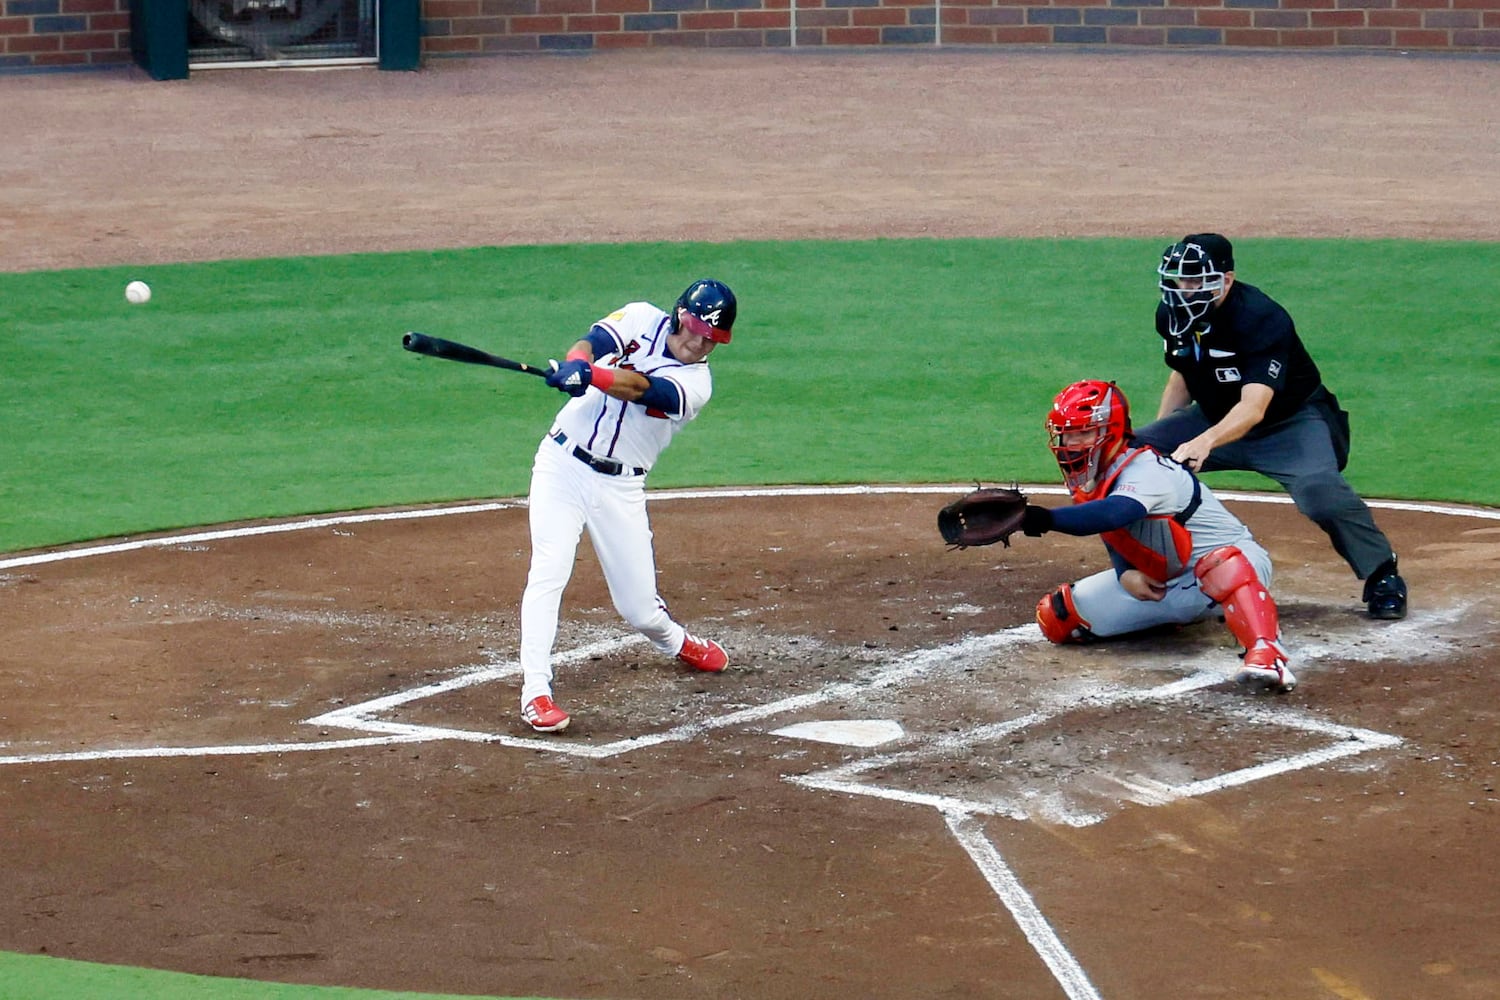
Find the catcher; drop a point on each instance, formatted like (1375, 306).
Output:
(1178, 554)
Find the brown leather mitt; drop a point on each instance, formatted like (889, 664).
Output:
(988, 515)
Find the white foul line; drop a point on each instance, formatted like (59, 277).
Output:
(959, 814)
(1048, 946)
(242, 750)
(304, 524)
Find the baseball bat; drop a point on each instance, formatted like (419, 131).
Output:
(437, 347)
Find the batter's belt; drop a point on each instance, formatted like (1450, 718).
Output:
(604, 466)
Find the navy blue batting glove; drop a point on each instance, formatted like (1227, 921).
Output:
(571, 377)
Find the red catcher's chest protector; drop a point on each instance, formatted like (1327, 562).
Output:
(1159, 545)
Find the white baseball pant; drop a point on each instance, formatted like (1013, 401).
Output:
(567, 496)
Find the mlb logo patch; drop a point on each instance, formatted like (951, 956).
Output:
(1227, 374)
(1275, 369)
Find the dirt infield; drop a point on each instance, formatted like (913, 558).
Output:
(294, 755)
(102, 169)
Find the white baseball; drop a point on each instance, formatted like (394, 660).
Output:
(137, 292)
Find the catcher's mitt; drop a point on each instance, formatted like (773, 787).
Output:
(988, 515)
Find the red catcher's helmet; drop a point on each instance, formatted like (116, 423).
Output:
(1087, 426)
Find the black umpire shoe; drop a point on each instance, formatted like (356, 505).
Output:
(1385, 592)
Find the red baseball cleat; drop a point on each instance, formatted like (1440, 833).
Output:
(544, 715)
(1265, 668)
(703, 654)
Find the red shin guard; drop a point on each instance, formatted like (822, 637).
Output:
(1226, 576)
(1059, 617)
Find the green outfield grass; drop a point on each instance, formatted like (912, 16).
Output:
(31, 977)
(278, 387)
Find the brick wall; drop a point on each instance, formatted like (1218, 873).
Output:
(42, 34)
(471, 27)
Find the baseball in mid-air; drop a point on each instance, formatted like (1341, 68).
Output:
(137, 292)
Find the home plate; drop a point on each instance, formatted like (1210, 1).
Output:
(849, 732)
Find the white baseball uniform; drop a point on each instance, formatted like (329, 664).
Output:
(590, 471)
(1165, 488)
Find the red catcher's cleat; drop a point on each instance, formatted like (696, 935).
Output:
(703, 654)
(1265, 668)
(544, 715)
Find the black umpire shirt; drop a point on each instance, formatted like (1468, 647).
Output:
(1248, 338)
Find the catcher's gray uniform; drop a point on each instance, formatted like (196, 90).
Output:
(1165, 489)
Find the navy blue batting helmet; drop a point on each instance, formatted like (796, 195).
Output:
(707, 308)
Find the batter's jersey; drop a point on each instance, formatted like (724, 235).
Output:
(1165, 489)
(1248, 338)
(612, 428)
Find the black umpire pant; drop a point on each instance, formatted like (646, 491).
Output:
(1305, 453)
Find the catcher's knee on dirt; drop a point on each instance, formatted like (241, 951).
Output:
(1059, 618)
(1225, 575)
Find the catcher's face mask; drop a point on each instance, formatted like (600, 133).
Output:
(1086, 427)
(1078, 455)
(1190, 282)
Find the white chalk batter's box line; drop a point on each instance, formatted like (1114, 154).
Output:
(380, 732)
(366, 718)
(1343, 741)
(959, 813)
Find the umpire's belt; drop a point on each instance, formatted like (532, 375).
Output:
(607, 466)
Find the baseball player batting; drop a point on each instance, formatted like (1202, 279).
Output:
(636, 379)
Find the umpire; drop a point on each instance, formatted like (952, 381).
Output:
(1245, 394)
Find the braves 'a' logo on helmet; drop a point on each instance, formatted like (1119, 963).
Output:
(707, 307)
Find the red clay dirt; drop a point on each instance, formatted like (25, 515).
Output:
(1114, 821)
